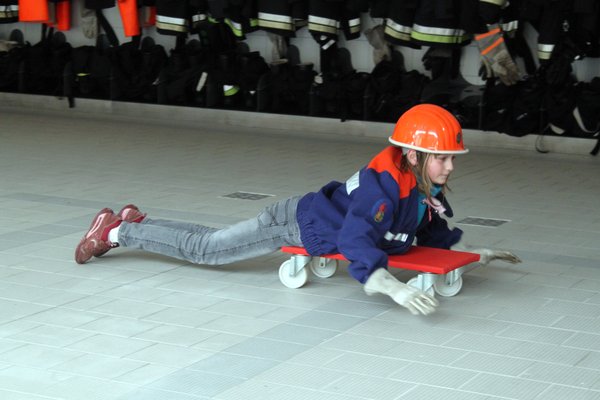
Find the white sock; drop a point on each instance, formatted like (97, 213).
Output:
(113, 235)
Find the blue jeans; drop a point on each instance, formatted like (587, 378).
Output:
(273, 227)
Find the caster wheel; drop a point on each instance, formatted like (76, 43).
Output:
(293, 282)
(323, 267)
(445, 290)
(414, 283)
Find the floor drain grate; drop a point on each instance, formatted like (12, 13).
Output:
(247, 196)
(479, 221)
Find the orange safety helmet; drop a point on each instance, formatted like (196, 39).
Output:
(430, 129)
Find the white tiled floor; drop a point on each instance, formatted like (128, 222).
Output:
(135, 326)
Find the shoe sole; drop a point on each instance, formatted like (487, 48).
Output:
(78, 249)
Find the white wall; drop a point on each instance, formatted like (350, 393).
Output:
(360, 49)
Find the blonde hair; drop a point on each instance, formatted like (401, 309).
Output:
(424, 183)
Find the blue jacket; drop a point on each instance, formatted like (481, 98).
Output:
(373, 214)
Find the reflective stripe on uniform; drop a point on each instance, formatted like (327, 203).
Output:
(275, 21)
(402, 237)
(544, 51)
(230, 90)
(171, 20)
(199, 17)
(9, 11)
(321, 24)
(171, 23)
(352, 183)
(510, 26)
(235, 27)
(354, 25)
(396, 30)
(438, 35)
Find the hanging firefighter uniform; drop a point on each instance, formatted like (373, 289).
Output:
(241, 16)
(500, 12)
(172, 17)
(179, 17)
(399, 21)
(547, 17)
(326, 18)
(437, 23)
(427, 22)
(585, 26)
(281, 17)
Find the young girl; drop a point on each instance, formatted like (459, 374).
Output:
(397, 198)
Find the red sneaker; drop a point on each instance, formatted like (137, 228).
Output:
(95, 242)
(131, 213)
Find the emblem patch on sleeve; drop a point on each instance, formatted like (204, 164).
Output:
(379, 211)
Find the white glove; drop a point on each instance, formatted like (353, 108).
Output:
(89, 23)
(488, 255)
(417, 302)
(280, 47)
(495, 56)
(381, 49)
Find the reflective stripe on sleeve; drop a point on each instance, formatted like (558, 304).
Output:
(352, 183)
(402, 237)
